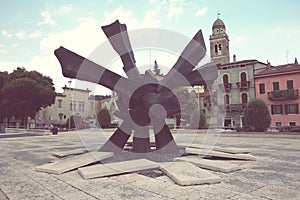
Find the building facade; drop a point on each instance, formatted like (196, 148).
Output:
(235, 88)
(279, 87)
(72, 102)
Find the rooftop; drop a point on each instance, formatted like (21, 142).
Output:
(241, 63)
(276, 70)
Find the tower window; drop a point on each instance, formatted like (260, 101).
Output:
(220, 49)
(216, 48)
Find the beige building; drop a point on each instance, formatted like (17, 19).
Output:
(72, 102)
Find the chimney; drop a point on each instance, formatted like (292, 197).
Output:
(268, 64)
(296, 61)
(234, 58)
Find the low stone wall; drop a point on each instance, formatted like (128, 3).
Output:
(19, 130)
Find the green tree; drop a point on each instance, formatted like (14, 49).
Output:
(104, 119)
(3, 80)
(188, 103)
(257, 115)
(156, 69)
(198, 120)
(25, 93)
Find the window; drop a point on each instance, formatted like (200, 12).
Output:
(73, 106)
(292, 123)
(226, 99)
(92, 105)
(262, 89)
(244, 98)
(243, 77)
(59, 103)
(277, 124)
(291, 108)
(216, 48)
(290, 84)
(275, 86)
(81, 106)
(220, 49)
(60, 115)
(225, 79)
(276, 109)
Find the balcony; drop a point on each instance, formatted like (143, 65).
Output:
(235, 108)
(283, 94)
(226, 87)
(243, 85)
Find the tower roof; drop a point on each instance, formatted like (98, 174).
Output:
(218, 23)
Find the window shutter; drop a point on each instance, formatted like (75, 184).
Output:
(281, 109)
(286, 108)
(297, 108)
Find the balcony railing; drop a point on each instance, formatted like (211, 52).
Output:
(243, 85)
(283, 94)
(235, 108)
(226, 87)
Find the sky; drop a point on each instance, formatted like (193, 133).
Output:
(31, 30)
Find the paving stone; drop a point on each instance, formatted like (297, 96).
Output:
(185, 173)
(211, 153)
(233, 150)
(102, 170)
(214, 165)
(70, 152)
(68, 164)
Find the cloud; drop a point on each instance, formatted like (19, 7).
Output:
(83, 40)
(64, 9)
(21, 35)
(6, 33)
(240, 39)
(34, 35)
(14, 45)
(173, 11)
(153, 1)
(150, 19)
(47, 19)
(201, 12)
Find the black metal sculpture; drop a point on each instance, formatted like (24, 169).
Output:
(143, 101)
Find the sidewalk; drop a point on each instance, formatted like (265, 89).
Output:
(275, 174)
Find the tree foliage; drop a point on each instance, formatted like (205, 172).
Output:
(187, 102)
(24, 93)
(156, 69)
(257, 115)
(104, 118)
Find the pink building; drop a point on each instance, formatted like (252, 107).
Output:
(279, 87)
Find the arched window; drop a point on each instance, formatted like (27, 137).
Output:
(244, 98)
(216, 48)
(226, 99)
(243, 77)
(225, 79)
(220, 49)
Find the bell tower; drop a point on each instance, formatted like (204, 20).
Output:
(219, 43)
